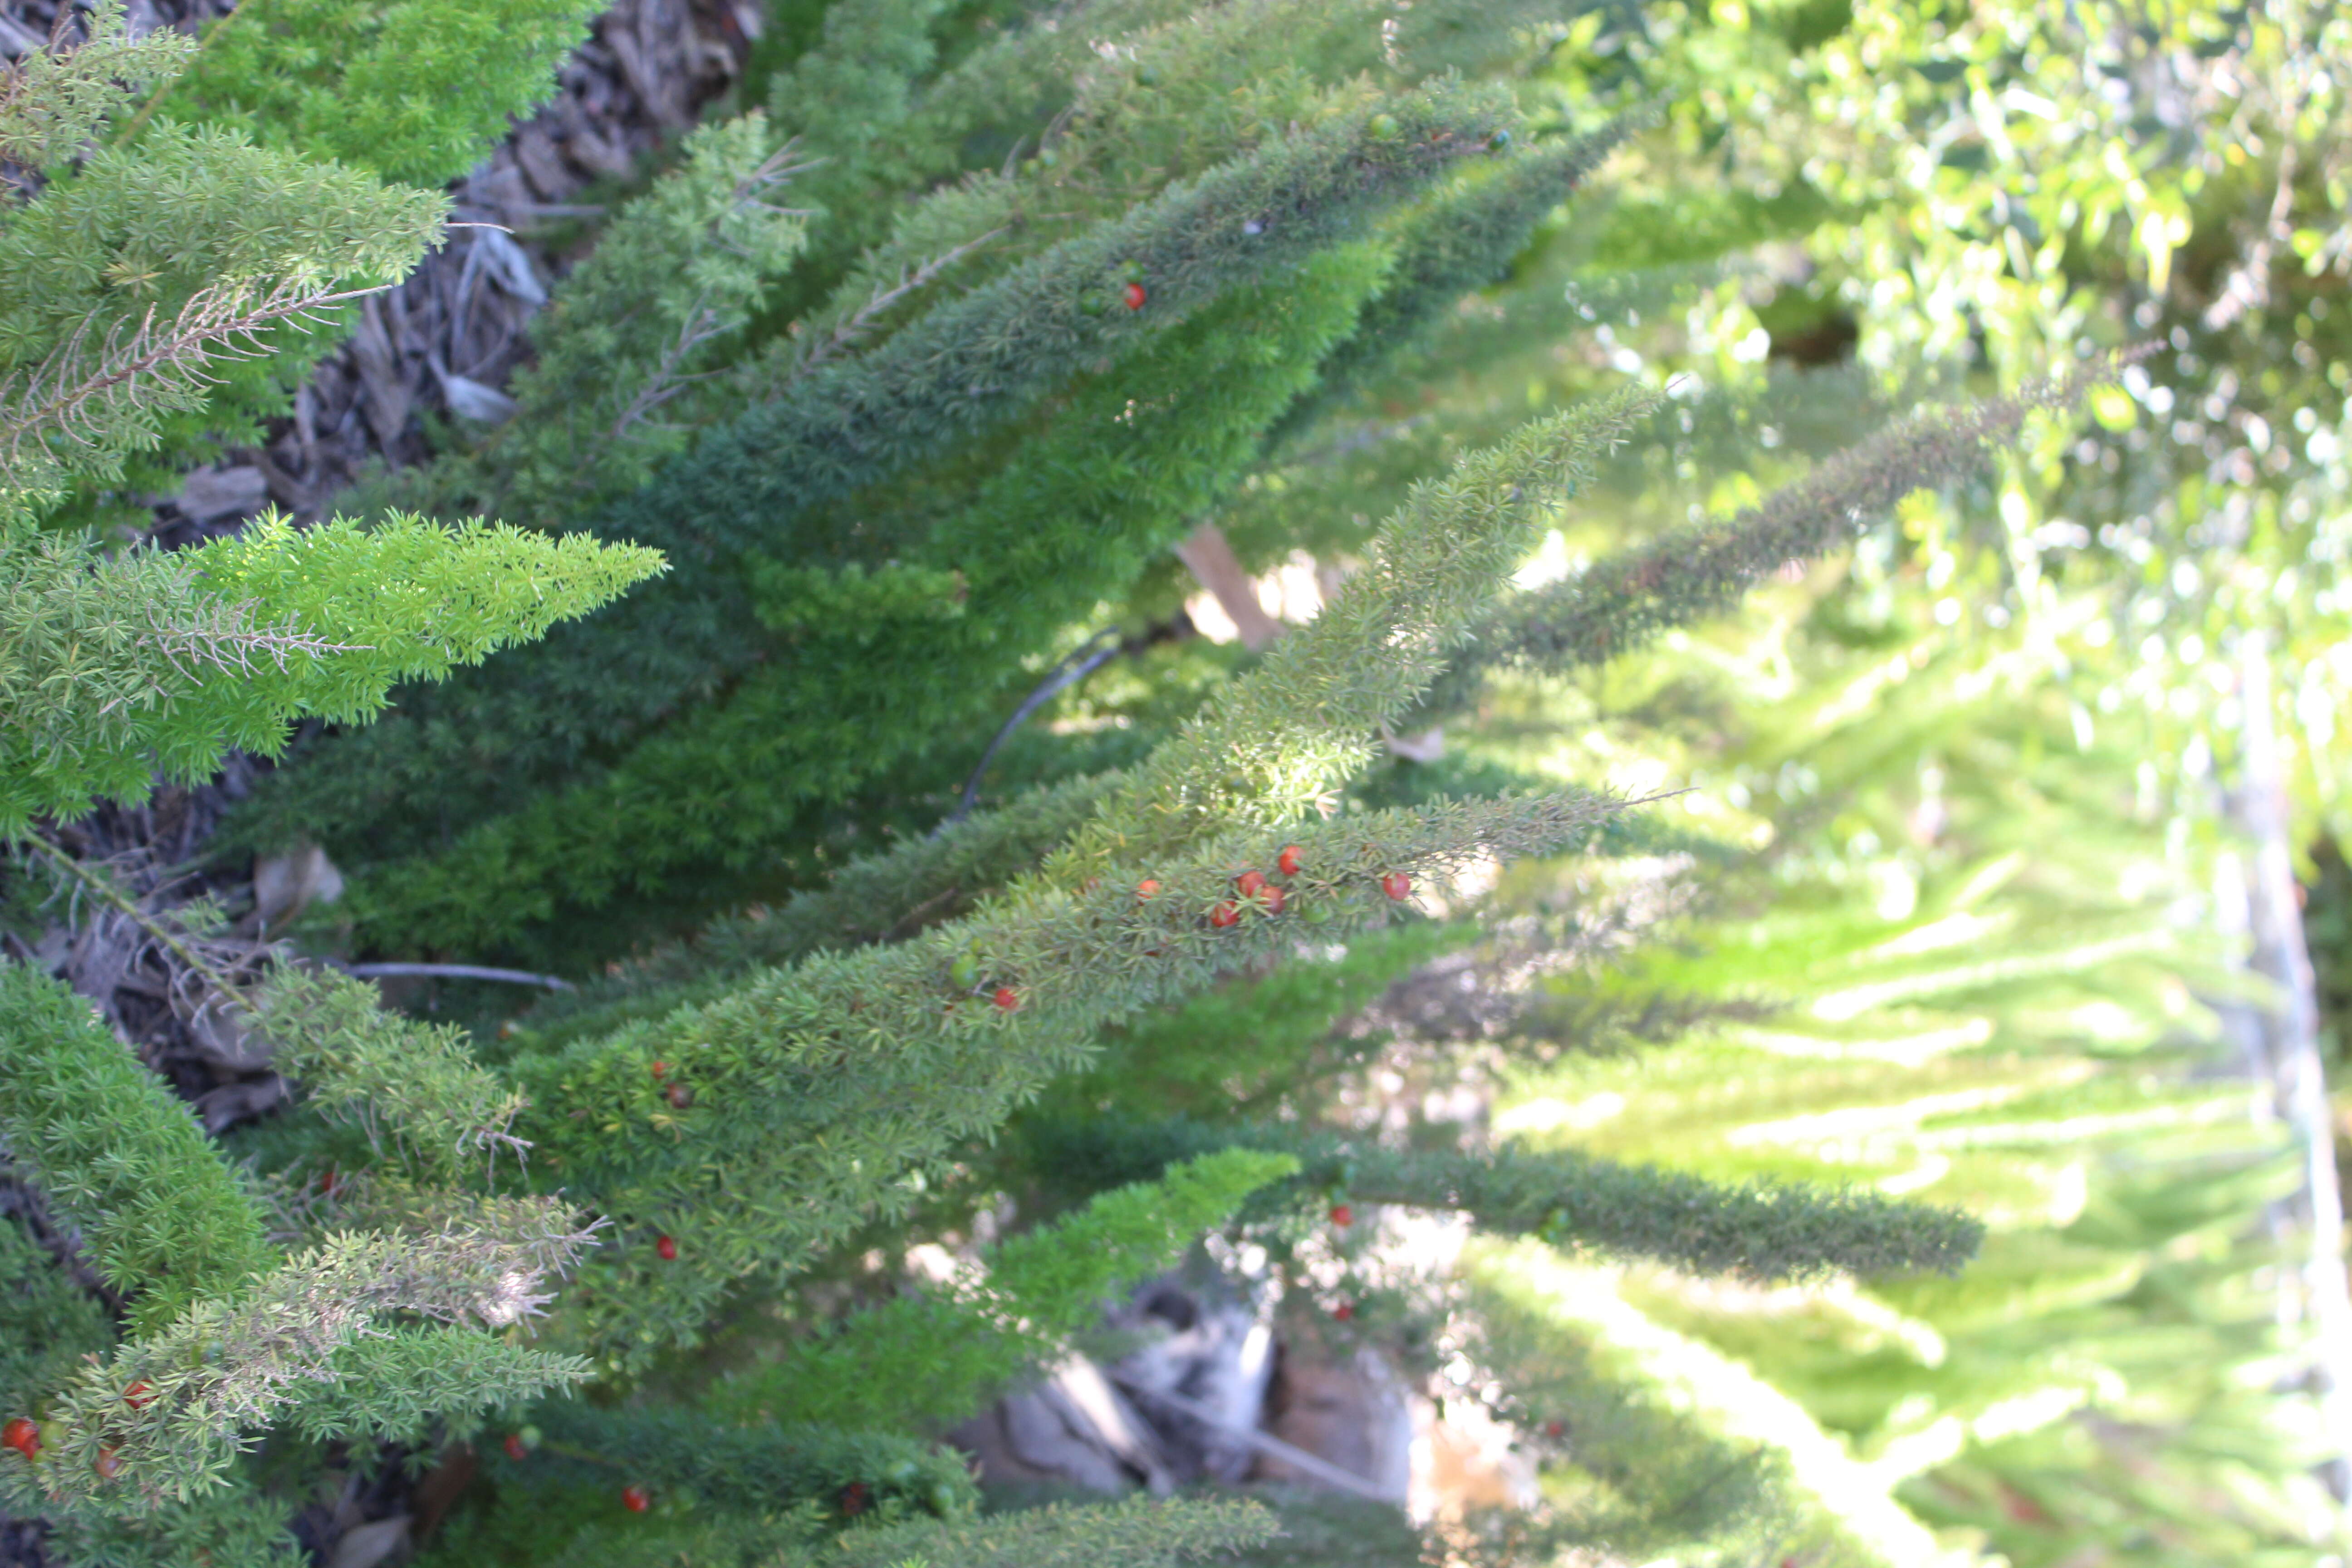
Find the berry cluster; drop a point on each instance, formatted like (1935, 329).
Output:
(1254, 888)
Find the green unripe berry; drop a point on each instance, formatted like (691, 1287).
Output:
(1381, 126)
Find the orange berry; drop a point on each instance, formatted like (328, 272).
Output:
(636, 1500)
(1007, 998)
(1135, 295)
(1224, 914)
(108, 1464)
(137, 1394)
(660, 1068)
(1397, 886)
(1249, 884)
(1290, 860)
(1146, 888)
(1342, 1215)
(22, 1435)
(1272, 900)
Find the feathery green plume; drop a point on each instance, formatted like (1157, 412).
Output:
(52, 102)
(112, 669)
(629, 352)
(925, 1360)
(759, 1466)
(415, 90)
(401, 1386)
(1689, 574)
(1761, 1233)
(409, 1084)
(162, 1219)
(164, 1411)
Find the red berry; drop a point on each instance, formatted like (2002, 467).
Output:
(1135, 295)
(327, 1181)
(1249, 884)
(680, 1096)
(1555, 1428)
(854, 1498)
(1344, 1311)
(108, 1464)
(1290, 860)
(1397, 886)
(517, 1449)
(1146, 888)
(1342, 1215)
(1224, 914)
(667, 1249)
(22, 1435)
(660, 1068)
(137, 1394)
(1007, 998)
(1272, 900)
(636, 1500)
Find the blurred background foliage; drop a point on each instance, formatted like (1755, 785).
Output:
(1983, 765)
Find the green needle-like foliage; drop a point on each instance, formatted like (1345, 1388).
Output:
(756, 1466)
(236, 1523)
(418, 91)
(926, 1361)
(1688, 574)
(973, 364)
(1139, 1532)
(51, 103)
(140, 277)
(165, 1410)
(835, 1079)
(162, 1218)
(1074, 520)
(403, 1386)
(113, 667)
(147, 289)
(48, 1321)
(629, 350)
(405, 1084)
(895, 894)
(1462, 240)
(1270, 744)
(1755, 1232)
